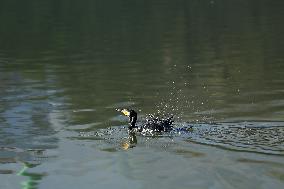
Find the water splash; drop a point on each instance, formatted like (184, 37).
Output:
(255, 137)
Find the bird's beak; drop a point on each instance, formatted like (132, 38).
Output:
(124, 111)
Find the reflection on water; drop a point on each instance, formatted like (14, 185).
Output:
(26, 160)
(33, 178)
(66, 65)
(130, 142)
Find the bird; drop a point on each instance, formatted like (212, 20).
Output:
(152, 123)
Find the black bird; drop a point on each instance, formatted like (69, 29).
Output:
(152, 124)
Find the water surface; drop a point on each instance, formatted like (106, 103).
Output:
(216, 65)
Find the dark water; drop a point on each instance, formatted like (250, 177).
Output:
(216, 65)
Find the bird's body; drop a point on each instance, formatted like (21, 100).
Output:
(152, 123)
(158, 124)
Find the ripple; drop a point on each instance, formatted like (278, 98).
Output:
(255, 137)
(259, 137)
(121, 104)
(6, 171)
(249, 161)
(84, 126)
(277, 174)
(84, 110)
(30, 156)
(189, 153)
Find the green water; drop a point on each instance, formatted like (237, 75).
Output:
(216, 65)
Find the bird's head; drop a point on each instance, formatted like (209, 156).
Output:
(131, 114)
(125, 111)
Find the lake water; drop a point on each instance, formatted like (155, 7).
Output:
(216, 65)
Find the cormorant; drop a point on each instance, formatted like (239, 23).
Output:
(152, 124)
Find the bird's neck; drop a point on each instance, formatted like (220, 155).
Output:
(132, 124)
(132, 119)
